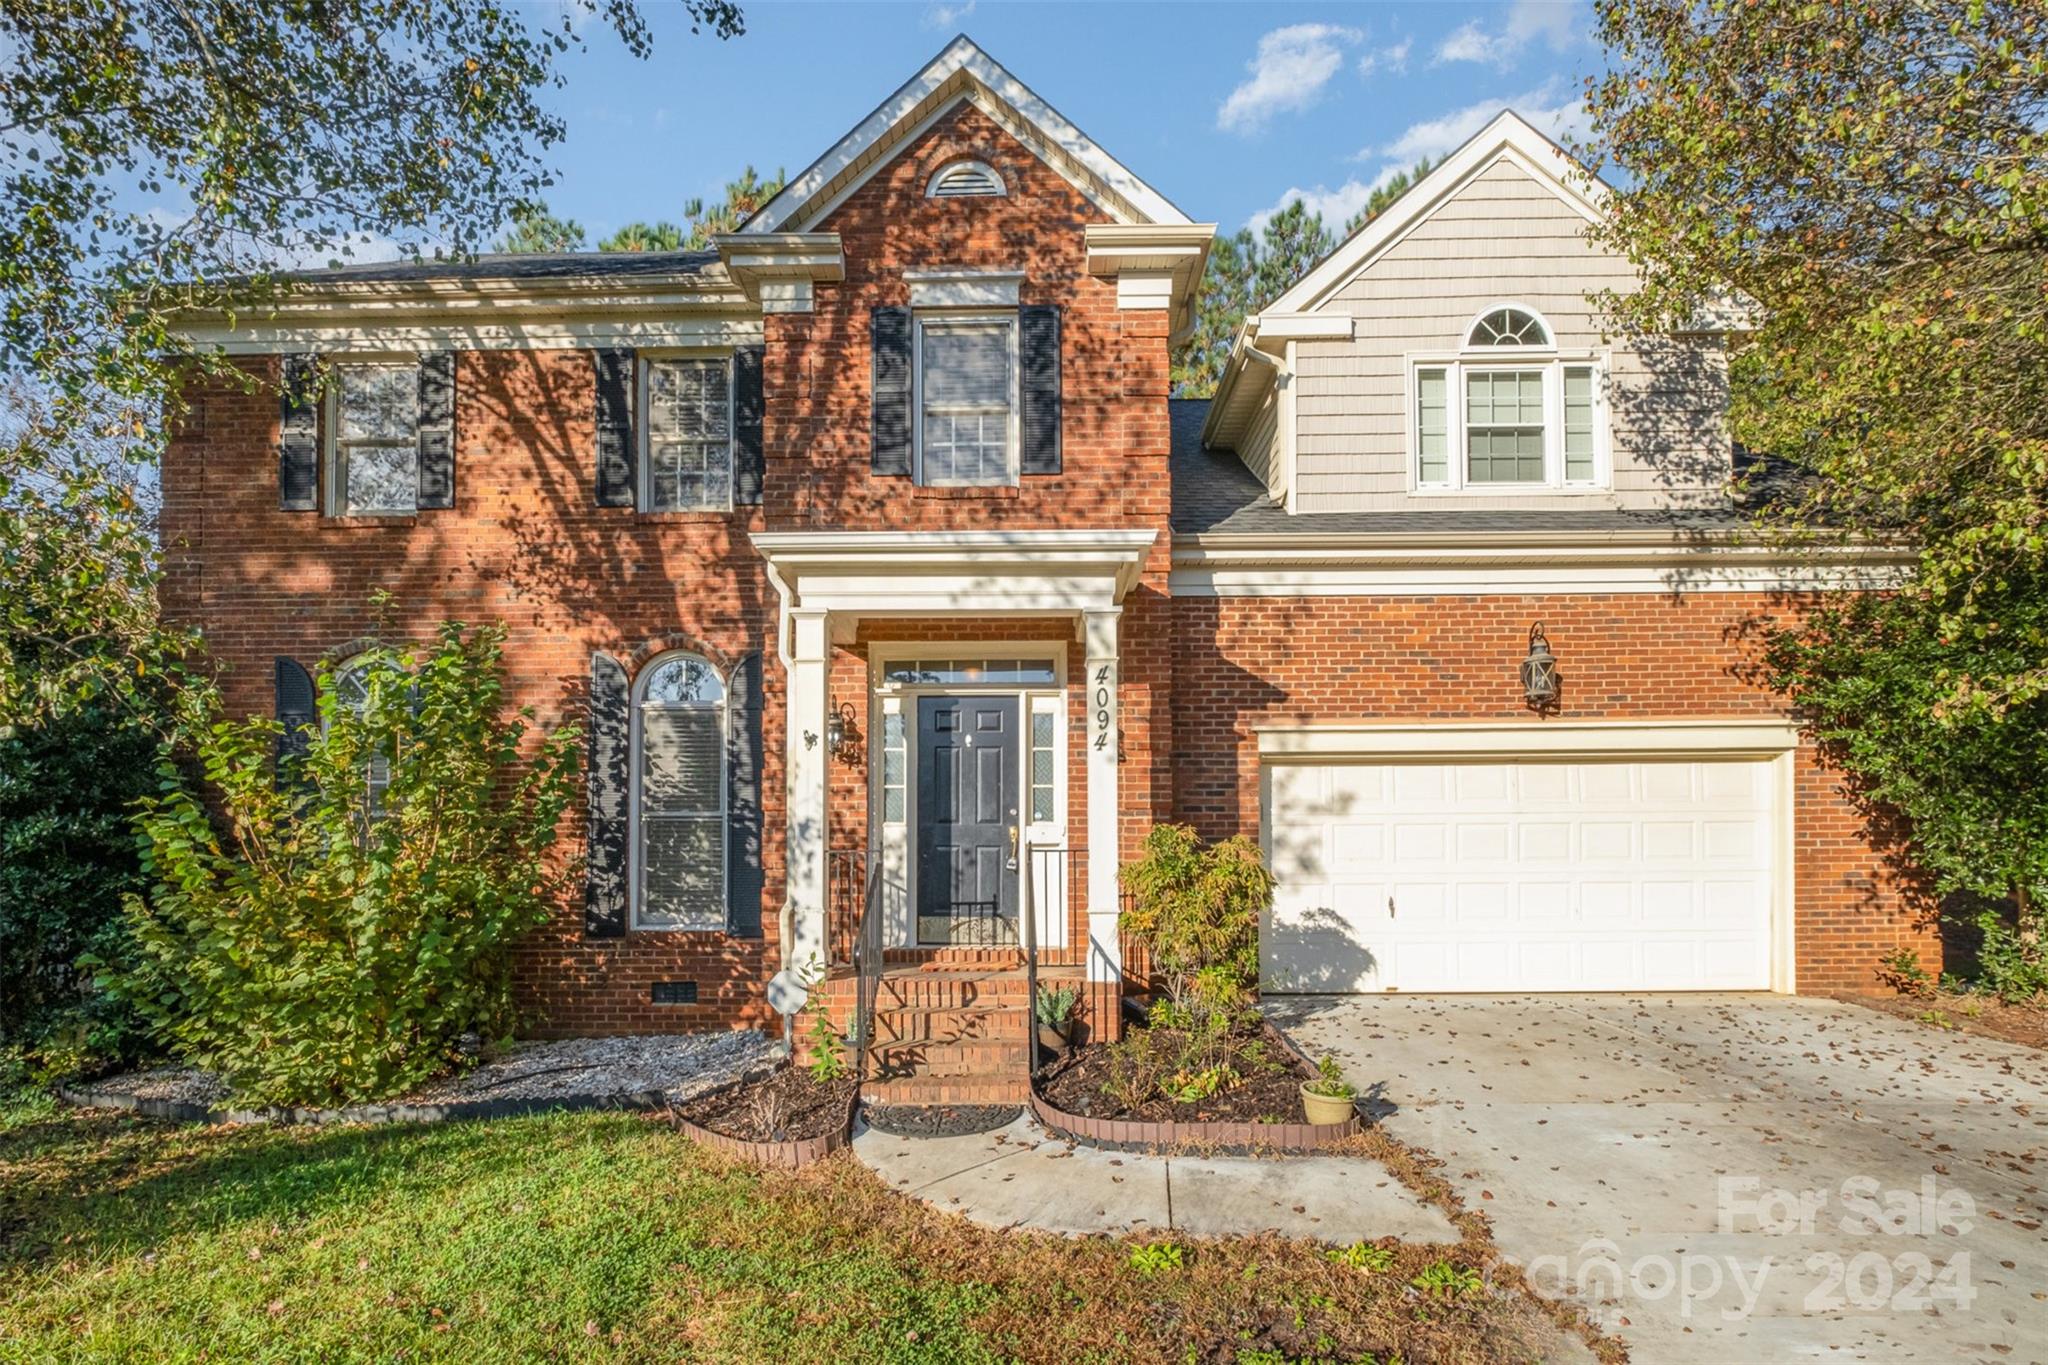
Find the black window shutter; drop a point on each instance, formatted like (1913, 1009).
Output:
(1038, 390)
(890, 329)
(298, 434)
(748, 464)
(437, 429)
(617, 449)
(743, 875)
(298, 711)
(604, 889)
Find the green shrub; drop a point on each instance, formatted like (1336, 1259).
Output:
(316, 944)
(67, 857)
(1197, 909)
(1447, 1281)
(2009, 965)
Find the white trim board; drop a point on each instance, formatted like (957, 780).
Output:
(539, 334)
(1518, 564)
(1534, 738)
(962, 70)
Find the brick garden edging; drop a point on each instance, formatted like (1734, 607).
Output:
(189, 1111)
(1136, 1135)
(1133, 1135)
(786, 1156)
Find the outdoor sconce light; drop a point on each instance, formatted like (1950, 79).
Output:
(842, 735)
(1539, 671)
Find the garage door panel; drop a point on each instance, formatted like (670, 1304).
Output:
(1507, 876)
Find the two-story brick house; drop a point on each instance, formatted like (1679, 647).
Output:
(874, 553)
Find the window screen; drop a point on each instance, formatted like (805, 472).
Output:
(689, 435)
(376, 438)
(1578, 424)
(967, 386)
(681, 774)
(1504, 426)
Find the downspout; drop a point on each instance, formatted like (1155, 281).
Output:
(785, 921)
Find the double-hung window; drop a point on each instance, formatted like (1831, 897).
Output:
(1509, 411)
(967, 400)
(686, 465)
(679, 795)
(374, 448)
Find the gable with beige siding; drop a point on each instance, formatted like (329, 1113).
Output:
(1504, 236)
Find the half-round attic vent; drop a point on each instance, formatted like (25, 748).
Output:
(964, 180)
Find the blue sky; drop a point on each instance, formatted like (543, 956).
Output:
(1227, 109)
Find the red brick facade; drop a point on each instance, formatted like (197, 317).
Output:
(527, 544)
(1243, 663)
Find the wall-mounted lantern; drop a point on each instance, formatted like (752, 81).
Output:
(842, 735)
(1539, 671)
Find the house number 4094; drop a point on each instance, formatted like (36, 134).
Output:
(1102, 702)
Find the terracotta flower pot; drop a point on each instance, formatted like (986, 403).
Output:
(1052, 1038)
(1325, 1108)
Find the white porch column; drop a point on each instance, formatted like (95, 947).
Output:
(1099, 639)
(805, 766)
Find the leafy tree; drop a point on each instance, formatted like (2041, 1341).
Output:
(67, 857)
(644, 237)
(327, 940)
(534, 229)
(1197, 906)
(1872, 184)
(168, 157)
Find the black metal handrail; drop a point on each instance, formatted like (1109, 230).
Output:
(867, 966)
(1027, 934)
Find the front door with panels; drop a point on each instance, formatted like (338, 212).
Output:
(967, 820)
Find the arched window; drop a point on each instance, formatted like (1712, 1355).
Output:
(1508, 411)
(679, 795)
(965, 180)
(352, 689)
(1510, 326)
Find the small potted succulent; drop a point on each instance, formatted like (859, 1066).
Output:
(1054, 1009)
(1328, 1097)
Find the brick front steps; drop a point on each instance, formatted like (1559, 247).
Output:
(949, 1027)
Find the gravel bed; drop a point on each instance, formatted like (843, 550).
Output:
(677, 1065)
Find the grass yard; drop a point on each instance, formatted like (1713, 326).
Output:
(607, 1237)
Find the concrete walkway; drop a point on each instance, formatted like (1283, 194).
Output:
(1723, 1178)
(1024, 1177)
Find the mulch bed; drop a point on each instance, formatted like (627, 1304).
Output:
(1269, 1091)
(786, 1106)
(939, 1120)
(2026, 1025)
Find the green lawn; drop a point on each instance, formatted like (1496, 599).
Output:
(608, 1237)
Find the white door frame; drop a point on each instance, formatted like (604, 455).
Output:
(1774, 742)
(895, 839)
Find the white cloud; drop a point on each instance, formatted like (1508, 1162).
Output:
(1392, 59)
(1548, 107)
(1500, 43)
(947, 16)
(1292, 67)
(1336, 206)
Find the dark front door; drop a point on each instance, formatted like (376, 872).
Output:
(966, 819)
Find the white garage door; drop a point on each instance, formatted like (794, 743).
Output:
(1519, 876)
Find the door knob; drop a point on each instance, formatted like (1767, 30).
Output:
(1013, 847)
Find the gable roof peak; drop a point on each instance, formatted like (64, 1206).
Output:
(961, 71)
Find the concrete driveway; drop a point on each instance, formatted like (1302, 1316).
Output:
(1729, 1178)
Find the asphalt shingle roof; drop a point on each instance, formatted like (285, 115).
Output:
(538, 265)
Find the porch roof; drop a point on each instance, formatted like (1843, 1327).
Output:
(853, 574)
